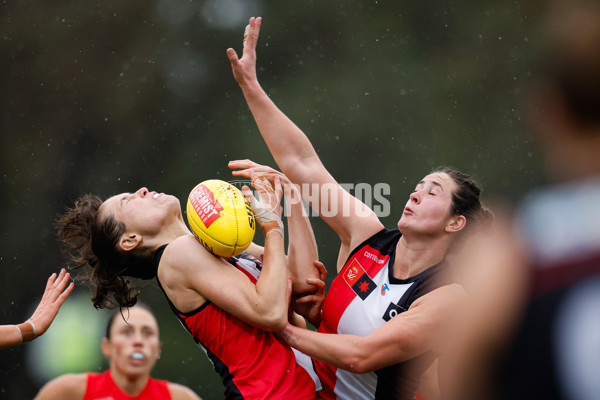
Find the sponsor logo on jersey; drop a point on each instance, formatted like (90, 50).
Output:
(392, 311)
(356, 277)
(375, 257)
(205, 205)
(384, 287)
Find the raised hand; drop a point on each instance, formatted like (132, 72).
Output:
(244, 68)
(53, 298)
(267, 208)
(245, 168)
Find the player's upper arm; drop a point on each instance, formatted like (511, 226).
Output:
(255, 250)
(180, 392)
(66, 387)
(191, 271)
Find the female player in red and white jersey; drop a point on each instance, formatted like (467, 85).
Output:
(388, 310)
(231, 306)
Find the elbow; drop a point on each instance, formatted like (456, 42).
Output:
(273, 320)
(356, 362)
(356, 358)
(276, 324)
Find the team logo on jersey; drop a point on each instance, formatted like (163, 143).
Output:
(392, 311)
(356, 277)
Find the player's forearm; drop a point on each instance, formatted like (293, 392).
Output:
(9, 336)
(289, 146)
(342, 351)
(272, 285)
(302, 248)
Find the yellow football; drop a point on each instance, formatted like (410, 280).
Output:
(220, 217)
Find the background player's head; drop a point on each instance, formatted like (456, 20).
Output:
(564, 108)
(132, 343)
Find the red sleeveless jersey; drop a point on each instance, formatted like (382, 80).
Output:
(253, 364)
(103, 387)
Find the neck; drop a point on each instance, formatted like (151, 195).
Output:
(169, 233)
(414, 256)
(131, 385)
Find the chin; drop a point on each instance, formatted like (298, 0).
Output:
(401, 223)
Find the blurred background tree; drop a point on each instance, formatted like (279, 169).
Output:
(111, 96)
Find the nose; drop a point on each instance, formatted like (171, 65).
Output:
(142, 192)
(415, 198)
(138, 338)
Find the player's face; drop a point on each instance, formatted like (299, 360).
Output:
(142, 212)
(428, 208)
(134, 346)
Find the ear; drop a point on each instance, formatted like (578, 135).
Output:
(105, 347)
(129, 241)
(456, 223)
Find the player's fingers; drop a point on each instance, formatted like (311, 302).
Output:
(321, 268)
(278, 188)
(307, 299)
(50, 281)
(316, 282)
(233, 57)
(252, 37)
(248, 195)
(63, 296)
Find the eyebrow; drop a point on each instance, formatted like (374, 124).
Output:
(433, 182)
(124, 198)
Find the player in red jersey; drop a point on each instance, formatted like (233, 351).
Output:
(386, 314)
(132, 346)
(143, 235)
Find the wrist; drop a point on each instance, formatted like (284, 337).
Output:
(272, 226)
(27, 330)
(250, 86)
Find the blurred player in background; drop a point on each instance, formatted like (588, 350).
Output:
(132, 347)
(535, 331)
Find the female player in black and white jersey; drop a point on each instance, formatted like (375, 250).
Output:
(392, 301)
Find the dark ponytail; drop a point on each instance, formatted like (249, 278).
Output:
(466, 202)
(90, 243)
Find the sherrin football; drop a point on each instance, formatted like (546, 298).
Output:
(220, 217)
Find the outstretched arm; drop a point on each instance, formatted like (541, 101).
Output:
(351, 219)
(53, 298)
(302, 246)
(422, 328)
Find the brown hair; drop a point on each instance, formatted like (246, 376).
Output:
(90, 243)
(466, 202)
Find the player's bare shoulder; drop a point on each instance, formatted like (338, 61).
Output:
(445, 297)
(181, 255)
(66, 387)
(180, 392)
